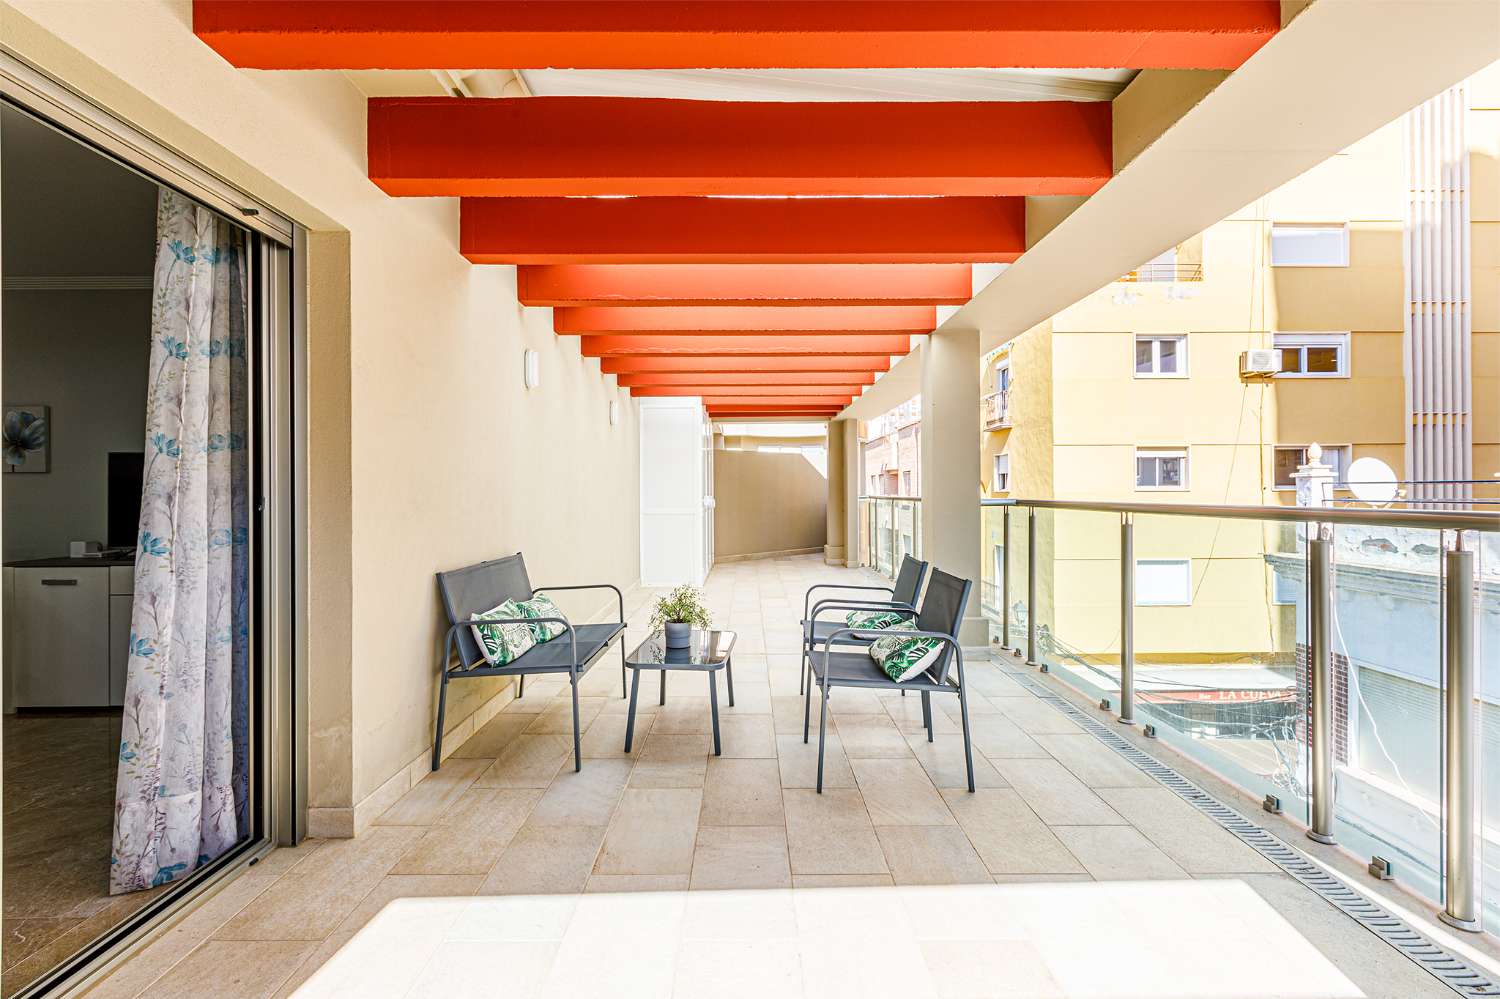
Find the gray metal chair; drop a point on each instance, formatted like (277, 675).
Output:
(477, 588)
(940, 617)
(815, 633)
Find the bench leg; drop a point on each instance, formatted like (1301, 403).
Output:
(713, 707)
(437, 739)
(927, 713)
(822, 734)
(577, 737)
(635, 686)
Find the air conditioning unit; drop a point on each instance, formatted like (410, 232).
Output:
(1260, 363)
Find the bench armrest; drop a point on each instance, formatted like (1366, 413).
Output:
(619, 597)
(478, 621)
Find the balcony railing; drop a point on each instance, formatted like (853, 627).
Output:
(995, 409)
(1342, 664)
(889, 528)
(1162, 273)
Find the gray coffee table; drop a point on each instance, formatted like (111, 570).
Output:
(707, 652)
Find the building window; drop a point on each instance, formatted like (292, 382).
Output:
(1002, 474)
(1302, 245)
(1164, 582)
(906, 483)
(1313, 355)
(1002, 375)
(1161, 357)
(1285, 588)
(1288, 459)
(1161, 468)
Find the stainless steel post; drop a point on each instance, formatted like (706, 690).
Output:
(1031, 587)
(1005, 578)
(894, 560)
(1127, 620)
(1320, 678)
(1460, 910)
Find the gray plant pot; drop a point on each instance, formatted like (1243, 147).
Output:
(679, 634)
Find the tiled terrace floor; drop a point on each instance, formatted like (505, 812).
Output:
(675, 873)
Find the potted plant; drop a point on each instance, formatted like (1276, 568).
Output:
(677, 613)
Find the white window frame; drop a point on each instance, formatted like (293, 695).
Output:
(1161, 452)
(995, 482)
(1340, 471)
(1277, 596)
(1301, 341)
(1145, 601)
(1343, 260)
(1155, 339)
(1002, 382)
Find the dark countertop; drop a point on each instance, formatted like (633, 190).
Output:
(63, 562)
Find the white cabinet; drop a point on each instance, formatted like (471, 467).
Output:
(67, 635)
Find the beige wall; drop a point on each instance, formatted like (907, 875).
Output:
(768, 502)
(425, 451)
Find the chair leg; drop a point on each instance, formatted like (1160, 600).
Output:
(927, 713)
(521, 686)
(802, 670)
(822, 734)
(963, 712)
(729, 678)
(437, 740)
(577, 737)
(807, 707)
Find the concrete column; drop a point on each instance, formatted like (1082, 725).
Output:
(950, 467)
(852, 489)
(835, 552)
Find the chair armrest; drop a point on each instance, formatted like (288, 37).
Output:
(833, 603)
(946, 638)
(807, 598)
(619, 597)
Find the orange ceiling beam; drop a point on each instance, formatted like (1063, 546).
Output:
(642, 34)
(709, 345)
(705, 379)
(741, 230)
(502, 147)
(769, 392)
(746, 320)
(745, 363)
(771, 412)
(681, 285)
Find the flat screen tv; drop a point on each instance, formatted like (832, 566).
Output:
(125, 470)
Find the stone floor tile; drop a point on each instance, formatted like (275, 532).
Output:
(636, 882)
(557, 718)
(605, 739)
(433, 794)
(529, 761)
(583, 798)
(741, 857)
(831, 833)
(469, 968)
(739, 969)
(1055, 794)
(652, 833)
(232, 969)
(899, 793)
(999, 968)
(872, 736)
(906, 712)
(493, 736)
(670, 760)
(1034, 716)
(1196, 842)
(931, 855)
(842, 881)
(545, 860)
(1117, 853)
(740, 792)
(1008, 835)
(398, 886)
(997, 737)
(747, 737)
(798, 761)
(1092, 762)
(943, 759)
(472, 834)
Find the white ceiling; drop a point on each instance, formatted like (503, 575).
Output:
(762, 84)
(834, 84)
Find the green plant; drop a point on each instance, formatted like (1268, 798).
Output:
(683, 605)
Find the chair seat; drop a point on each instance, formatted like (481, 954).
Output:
(824, 630)
(857, 669)
(555, 656)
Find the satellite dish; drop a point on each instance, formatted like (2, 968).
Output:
(1372, 481)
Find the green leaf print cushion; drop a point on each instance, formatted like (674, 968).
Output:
(504, 643)
(873, 620)
(904, 658)
(542, 606)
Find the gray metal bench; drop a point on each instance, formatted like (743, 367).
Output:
(475, 589)
(941, 615)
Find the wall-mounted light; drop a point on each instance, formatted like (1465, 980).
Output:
(531, 368)
(614, 411)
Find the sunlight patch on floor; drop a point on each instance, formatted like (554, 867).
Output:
(1209, 939)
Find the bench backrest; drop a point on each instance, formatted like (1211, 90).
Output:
(943, 610)
(475, 589)
(909, 580)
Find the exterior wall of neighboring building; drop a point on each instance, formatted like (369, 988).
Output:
(1080, 415)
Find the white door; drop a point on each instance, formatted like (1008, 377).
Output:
(672, 507)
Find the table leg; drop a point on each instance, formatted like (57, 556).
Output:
(713, 706)
(635, 686)
(729, 677)
(663, 687)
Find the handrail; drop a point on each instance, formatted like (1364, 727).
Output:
(1287, 514)
(901, 499)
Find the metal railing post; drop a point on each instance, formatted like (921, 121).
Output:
(1459, 910)
(1005, 578)
(1031, 589)
(1320, 679)
(892, 573)
(1127, 619)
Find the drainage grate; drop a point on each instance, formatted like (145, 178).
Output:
(1447, 968)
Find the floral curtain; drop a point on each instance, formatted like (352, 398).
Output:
(181, 796)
